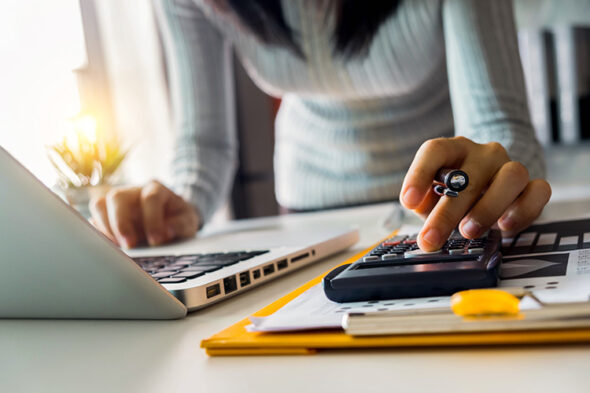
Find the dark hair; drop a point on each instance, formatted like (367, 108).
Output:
(357, 21)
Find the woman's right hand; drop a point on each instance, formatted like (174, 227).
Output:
(131, 215)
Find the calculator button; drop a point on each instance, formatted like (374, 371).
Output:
(456, 251)
(394, 241)
(475, 251)
(388, 257)
(456, 235)
(456, 247)
(411, 239)
(418, 253)
(370, 258)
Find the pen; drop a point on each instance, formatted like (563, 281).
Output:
(450, 182)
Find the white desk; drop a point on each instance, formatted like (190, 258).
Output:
(144, 356)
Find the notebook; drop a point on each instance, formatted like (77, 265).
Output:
(56, 265)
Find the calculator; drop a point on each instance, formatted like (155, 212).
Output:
(397, 268)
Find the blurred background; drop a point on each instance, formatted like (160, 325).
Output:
(76, 71)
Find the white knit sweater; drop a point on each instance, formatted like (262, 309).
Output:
(346, 130)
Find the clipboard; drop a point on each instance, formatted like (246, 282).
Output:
(237, 341)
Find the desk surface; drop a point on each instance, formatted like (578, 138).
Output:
(164, 356)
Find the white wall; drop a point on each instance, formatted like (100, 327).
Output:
(40, 43)
(134, 65)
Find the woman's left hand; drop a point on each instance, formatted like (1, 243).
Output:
(499, 191)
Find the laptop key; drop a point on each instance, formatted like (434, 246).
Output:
(204, 268)
(172, 280)
(185, 261)
(169, 269)
(162, 275)
(259, 252)
(217, 262)
(188, 275)
(176, 266)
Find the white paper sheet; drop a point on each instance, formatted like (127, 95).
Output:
(313, 310)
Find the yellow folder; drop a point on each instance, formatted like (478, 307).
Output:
(236, 340)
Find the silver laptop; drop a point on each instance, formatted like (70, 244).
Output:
(54, 264)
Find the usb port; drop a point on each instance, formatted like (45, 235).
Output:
(282, 264)
(230, 284)
(256, 274)
(213, 290)
(268, 269)
(299, 257)
(244, 279)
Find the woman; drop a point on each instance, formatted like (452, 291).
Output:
(364, 85)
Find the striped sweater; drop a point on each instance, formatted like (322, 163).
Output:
(346, 131)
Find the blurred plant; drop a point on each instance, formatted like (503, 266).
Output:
(85, 156)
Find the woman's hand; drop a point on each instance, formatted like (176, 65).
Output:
(129, 216)
(499, 191)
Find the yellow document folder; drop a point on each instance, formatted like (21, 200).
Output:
(236, 340)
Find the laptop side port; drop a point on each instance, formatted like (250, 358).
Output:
(268, 269)
(256, 274)
(282, 264)
(230, 284)
(244, 279)
(299, 257)
(213, 290)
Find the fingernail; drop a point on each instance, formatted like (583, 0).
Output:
(471, 228)
(507, 222)
(432, 237)
(412, 197)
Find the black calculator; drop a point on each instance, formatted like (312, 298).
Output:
(397, 268)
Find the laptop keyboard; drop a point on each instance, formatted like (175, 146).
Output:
(174, 269)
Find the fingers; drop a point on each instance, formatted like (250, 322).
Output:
(124, 215)
(432, 155)
(129, 215)
(499, 191)
(100, 219)
(481, 165)
(510, 180)
(522, 212)
(154, 197)
(182, 220)
(427, 204)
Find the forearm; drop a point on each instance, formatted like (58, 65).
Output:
(486, 79)
(201, 95)
(203, 173)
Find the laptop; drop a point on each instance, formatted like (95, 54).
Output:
(54, 264)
